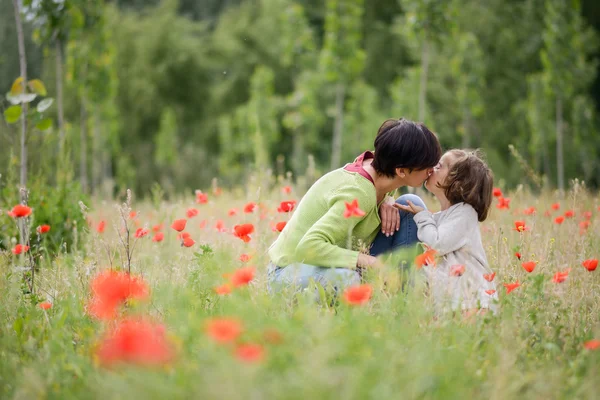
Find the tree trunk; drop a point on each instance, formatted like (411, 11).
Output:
(559, 146)
(423, 85)
(83, 145)
(96, 153)
(466, 139)
(298, 156)
(59, 95)
(336, 143)
(23, 67)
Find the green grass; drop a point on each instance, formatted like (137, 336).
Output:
(391, 348)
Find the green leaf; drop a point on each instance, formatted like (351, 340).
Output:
(44, 104)
(44, 124)
(12, 114)
(37, 86)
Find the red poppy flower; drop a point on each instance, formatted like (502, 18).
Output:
(158, 237)
(243, 231)
(245, 258)
(352, 210)
(45, 305)
(587, 215)
(286, 189)
(43, 229)
(19, 249)
(188, 242)
(583, 226)
(20, 211)
(249, 208)
(593, 344)
(518, 255)
(191, 212)
(520, 226)
(220, 226)
(559, 220)
(101, 226)
(560, 277)
(590, 264)
(157, 228)
(569, 213)
(141, 232)
(280, 225)
(179, 224)
(529, 266)
(490, 292)
(242, 276)
(529, 211)
(223, 330)
(110, 289)
(427, 259)
(511, 286)
(497, 192)
(272, 336)
(232, 212)
(202, 224)
(135, 341)
(555, 206)
(286, 206)
(183, 235)
(489, 277)
(201, 198)
(250, 353)
(132, 214)
(223, 289)
(503, 203)
(217, 191)
(547, 213)
(358, 295)
(457, 270)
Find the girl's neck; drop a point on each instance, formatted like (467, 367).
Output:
(444, 202)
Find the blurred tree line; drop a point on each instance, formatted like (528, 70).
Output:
(178, 92)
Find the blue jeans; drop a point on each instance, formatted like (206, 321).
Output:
(406, 235)
(300, 275)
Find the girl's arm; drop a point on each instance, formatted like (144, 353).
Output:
(451, 234)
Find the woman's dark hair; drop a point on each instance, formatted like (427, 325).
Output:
(470, 181)
(401, 143)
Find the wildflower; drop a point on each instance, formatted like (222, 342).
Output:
(503, 203)
(569, 214)
(249, 208)
(243, 231)
(20, 211)
(555, 206)
(183, 235)
(352, 210)
(191, 212)
(43, 229)
(272, 336)
(529, 266)
(286, 189)
(110, 289)
(511, 286)
(245, 258)
(358, 295)
(583, 226)
(497, 192)
(188, 242)
(135, 341)
(179, 224)
(45, 305)
(559, 220)
(220, 226)
(489, 277)
(158, 237)
(520, 226)
(232, 212)
(141, 232)
(560, 277)
(593, 344)
(217, 191)
(518, 255)
(587, 215)
(223, 330)
(427, 258)
(100, 227)
(242, 276)
(590, 264)
(250, 353)
(202, 224)
(457, 270)
(223, 289)
(529, 211)
(157, 228)
(19, 249)
(286, 206)
(280, 225)
(201, 198)
(490, 292)
(547, 213)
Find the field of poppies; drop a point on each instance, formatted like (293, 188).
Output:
(170, 300)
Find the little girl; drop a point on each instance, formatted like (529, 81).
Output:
(463, 184)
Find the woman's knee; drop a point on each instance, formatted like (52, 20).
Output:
(413, 198)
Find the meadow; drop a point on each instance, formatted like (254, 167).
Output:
(195, 318)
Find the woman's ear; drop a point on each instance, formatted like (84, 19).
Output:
(401, 172)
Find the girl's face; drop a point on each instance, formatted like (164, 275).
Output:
(439, 174)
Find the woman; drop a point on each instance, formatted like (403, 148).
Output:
(321, 240)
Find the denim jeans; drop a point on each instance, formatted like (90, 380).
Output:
(406, 235)
(300, 275)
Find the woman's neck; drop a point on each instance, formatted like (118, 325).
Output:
(382, 183)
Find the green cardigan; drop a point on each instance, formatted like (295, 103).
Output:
(317, 233)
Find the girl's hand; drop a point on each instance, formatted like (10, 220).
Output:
(390, 217)
(411, 208)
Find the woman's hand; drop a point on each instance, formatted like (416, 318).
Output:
(367, 261)
(411, 208)
(390, 217)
